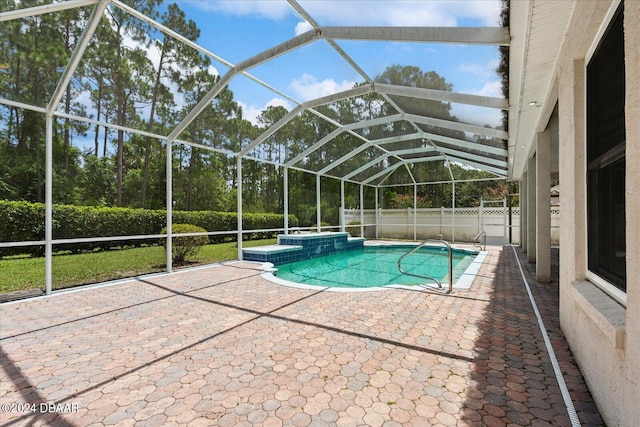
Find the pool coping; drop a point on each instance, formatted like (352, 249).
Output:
(463, 283)
(269, 249)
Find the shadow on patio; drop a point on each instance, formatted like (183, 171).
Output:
(222, 346)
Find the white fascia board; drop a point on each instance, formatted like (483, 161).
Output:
(442, 95)
(496, 36)
(463, 127)
(47, 8)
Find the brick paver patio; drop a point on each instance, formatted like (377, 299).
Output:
(222, 346)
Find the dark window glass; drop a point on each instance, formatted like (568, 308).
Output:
(606, 157)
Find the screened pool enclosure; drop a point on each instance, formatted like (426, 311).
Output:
(135, 80)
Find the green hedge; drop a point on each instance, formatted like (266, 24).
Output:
(24, 221)
(185, 246)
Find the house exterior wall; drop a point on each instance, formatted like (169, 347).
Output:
(603, 334)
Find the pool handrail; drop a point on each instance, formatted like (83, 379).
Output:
(482, 244)
(426, 277)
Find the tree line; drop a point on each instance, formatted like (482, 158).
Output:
(117, 82)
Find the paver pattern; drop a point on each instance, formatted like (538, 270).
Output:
(222, 346)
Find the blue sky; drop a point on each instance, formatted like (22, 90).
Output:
(238, 29)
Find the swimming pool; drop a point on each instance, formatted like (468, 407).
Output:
(377, 266)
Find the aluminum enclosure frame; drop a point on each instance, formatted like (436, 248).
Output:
(486, 157)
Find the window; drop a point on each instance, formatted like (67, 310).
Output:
(606, 156)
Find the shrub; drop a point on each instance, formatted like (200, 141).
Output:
(353, 228)
(325, 226)
(185, 246)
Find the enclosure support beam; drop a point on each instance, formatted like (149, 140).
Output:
(41, 10)
(453, 203)
(48, 194)
(415, 212)
(460, 35)
(318, 213)
(239, 179)
(76, 56)
(442, 95)
(342, 224)
(224, 80)
(453, 211)
(169, 190)
(285, 190)
(464, 127)
(377, 208)
(361, 210)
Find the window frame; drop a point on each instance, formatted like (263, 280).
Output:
(611, 156)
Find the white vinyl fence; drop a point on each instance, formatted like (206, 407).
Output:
(461, 224)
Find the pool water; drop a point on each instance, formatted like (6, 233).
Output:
(376, 266)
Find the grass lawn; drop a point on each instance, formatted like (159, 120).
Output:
(70, 270)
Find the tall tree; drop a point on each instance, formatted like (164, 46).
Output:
(175, 58)
(33, 54)
(124, 25)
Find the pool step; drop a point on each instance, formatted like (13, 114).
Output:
(298, 247)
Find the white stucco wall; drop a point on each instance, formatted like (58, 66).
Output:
(632, 58)
(604, 336)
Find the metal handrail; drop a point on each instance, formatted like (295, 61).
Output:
(426, 277)
(481, 245)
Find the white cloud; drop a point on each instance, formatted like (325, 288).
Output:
(477, 116)
(302, 27)
(213, 70)
(270, 9)
(309, 87)
(493, 88)
(403, 12)
(252, 112)
(475, 69)
(480, 71)
(443, 13)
